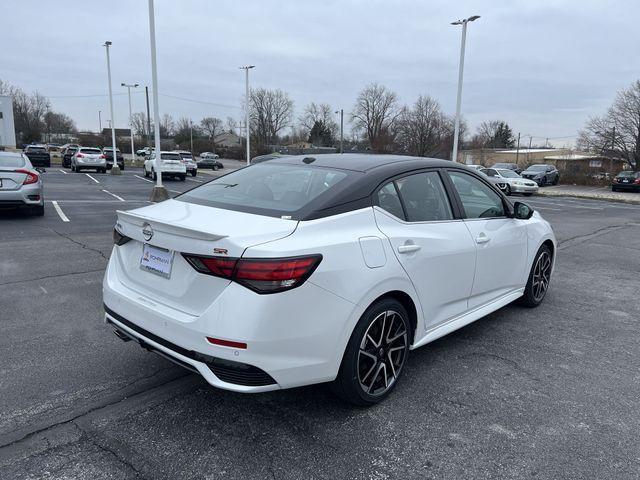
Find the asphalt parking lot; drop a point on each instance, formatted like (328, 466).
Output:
(547, 393)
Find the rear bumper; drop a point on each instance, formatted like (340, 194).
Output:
(629, 187)
(27, 195)
(294, 338)
(101, 164)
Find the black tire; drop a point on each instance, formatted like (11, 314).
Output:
(614, 189)
(122, 168)
(350, 385)
(146, 174)
(194, 173)
(556, 180)
(533, 296)
(153, 174)
(214, 168)
(37, 211)
(528, 194)
(77, 170)
(182, 177)
(73, 169)
(507, 190)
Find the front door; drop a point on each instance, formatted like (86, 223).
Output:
(501, 241)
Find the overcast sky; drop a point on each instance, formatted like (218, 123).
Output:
(543, 66)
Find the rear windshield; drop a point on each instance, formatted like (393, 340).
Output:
(11, 161)
(537, 168)
(111, 150)
(627, 174)
(170, 156)
(266, 188)
(90, 150)
(186, 155)
(503, 165)
(36, 149)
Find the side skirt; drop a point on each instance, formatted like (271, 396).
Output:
(467, 318)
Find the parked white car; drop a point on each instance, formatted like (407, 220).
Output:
(171, 165)
(209, 155)
(511, 182)
(331, 268)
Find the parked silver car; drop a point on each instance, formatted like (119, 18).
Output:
(89, 157)
(513, 183)
(20, 183)
(189, 162)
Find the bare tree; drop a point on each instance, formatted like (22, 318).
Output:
(167, 126)
(315, 113)
(58, 123)
(211, 127)
(28, 111)
(423, 129)
(139, 121)
(618, 131)
(494, 134)
(232, 125)
(374, 113)
(270, 113)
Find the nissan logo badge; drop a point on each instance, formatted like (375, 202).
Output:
(147, 231)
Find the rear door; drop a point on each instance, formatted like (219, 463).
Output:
(501, 241)
(435, 249)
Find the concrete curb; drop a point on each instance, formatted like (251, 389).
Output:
(591, 196)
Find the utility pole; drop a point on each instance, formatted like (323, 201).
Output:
(191, 133)
(129, 87)
(146, 91)
(529, 151)
(518, 148)
(341, 111)
(100, 121)
(107, 44)
(159, 192)
(246, 69)
(456, 134)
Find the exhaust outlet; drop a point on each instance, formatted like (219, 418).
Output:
(122, 336)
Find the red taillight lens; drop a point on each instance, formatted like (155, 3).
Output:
(637, 181)
(262, 275)
(79, 155)
(226, 343)
(32, 177)
(103, 156)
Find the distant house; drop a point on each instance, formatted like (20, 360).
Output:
(585, 163)
(523, 156)
(227, 139)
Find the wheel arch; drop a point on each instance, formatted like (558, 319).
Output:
(407, 302)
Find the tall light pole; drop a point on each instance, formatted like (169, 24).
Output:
(246, 69)
(100, 120)
(341, 112)
(129, 87)
(456, 134)
(107, 44)
(159, 192)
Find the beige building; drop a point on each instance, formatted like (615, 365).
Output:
(523, 156)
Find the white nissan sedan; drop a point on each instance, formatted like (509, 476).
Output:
(330, 268)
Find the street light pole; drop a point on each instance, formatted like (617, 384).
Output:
(129, 87)
(341, 111)
(246, 69)
(191, 133)
(107, 44)
(456, 134)
(159, 192)
(100, 121)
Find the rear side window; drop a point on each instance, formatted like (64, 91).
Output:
(416, 198)
(268, 189)
(11, 161)
(478, 199)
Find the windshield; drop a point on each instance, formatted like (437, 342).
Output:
(537, 168)
(267, 189)
(508, 173)
(11, 161)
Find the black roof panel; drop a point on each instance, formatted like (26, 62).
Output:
(361, 162)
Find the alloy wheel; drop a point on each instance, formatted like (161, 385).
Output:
(382, 353)
(541, 276)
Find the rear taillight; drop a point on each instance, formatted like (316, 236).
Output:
(262, 275)
(103, 156)
(79, 155)
(118, 238)
(637, 181)
(32, 177)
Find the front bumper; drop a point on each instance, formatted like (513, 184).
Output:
(287, 340)
(524, 188)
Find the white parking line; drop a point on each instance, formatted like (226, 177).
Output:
(66, 173)
(142, 178)
(175, 191)
(92, 178)
(61, 214)
(113, 195)
(97, 201)
(194, 180)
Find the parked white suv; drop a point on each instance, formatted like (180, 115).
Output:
(171, 165)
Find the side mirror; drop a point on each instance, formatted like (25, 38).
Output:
(40, 169)
(522, 211)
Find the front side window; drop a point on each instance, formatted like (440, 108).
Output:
(479, 200)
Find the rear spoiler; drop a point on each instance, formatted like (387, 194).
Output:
(162, 226)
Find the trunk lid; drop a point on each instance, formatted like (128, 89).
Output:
(181, 227)
(10, 179)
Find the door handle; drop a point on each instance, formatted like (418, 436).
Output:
(408, 248)
(482, 238)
